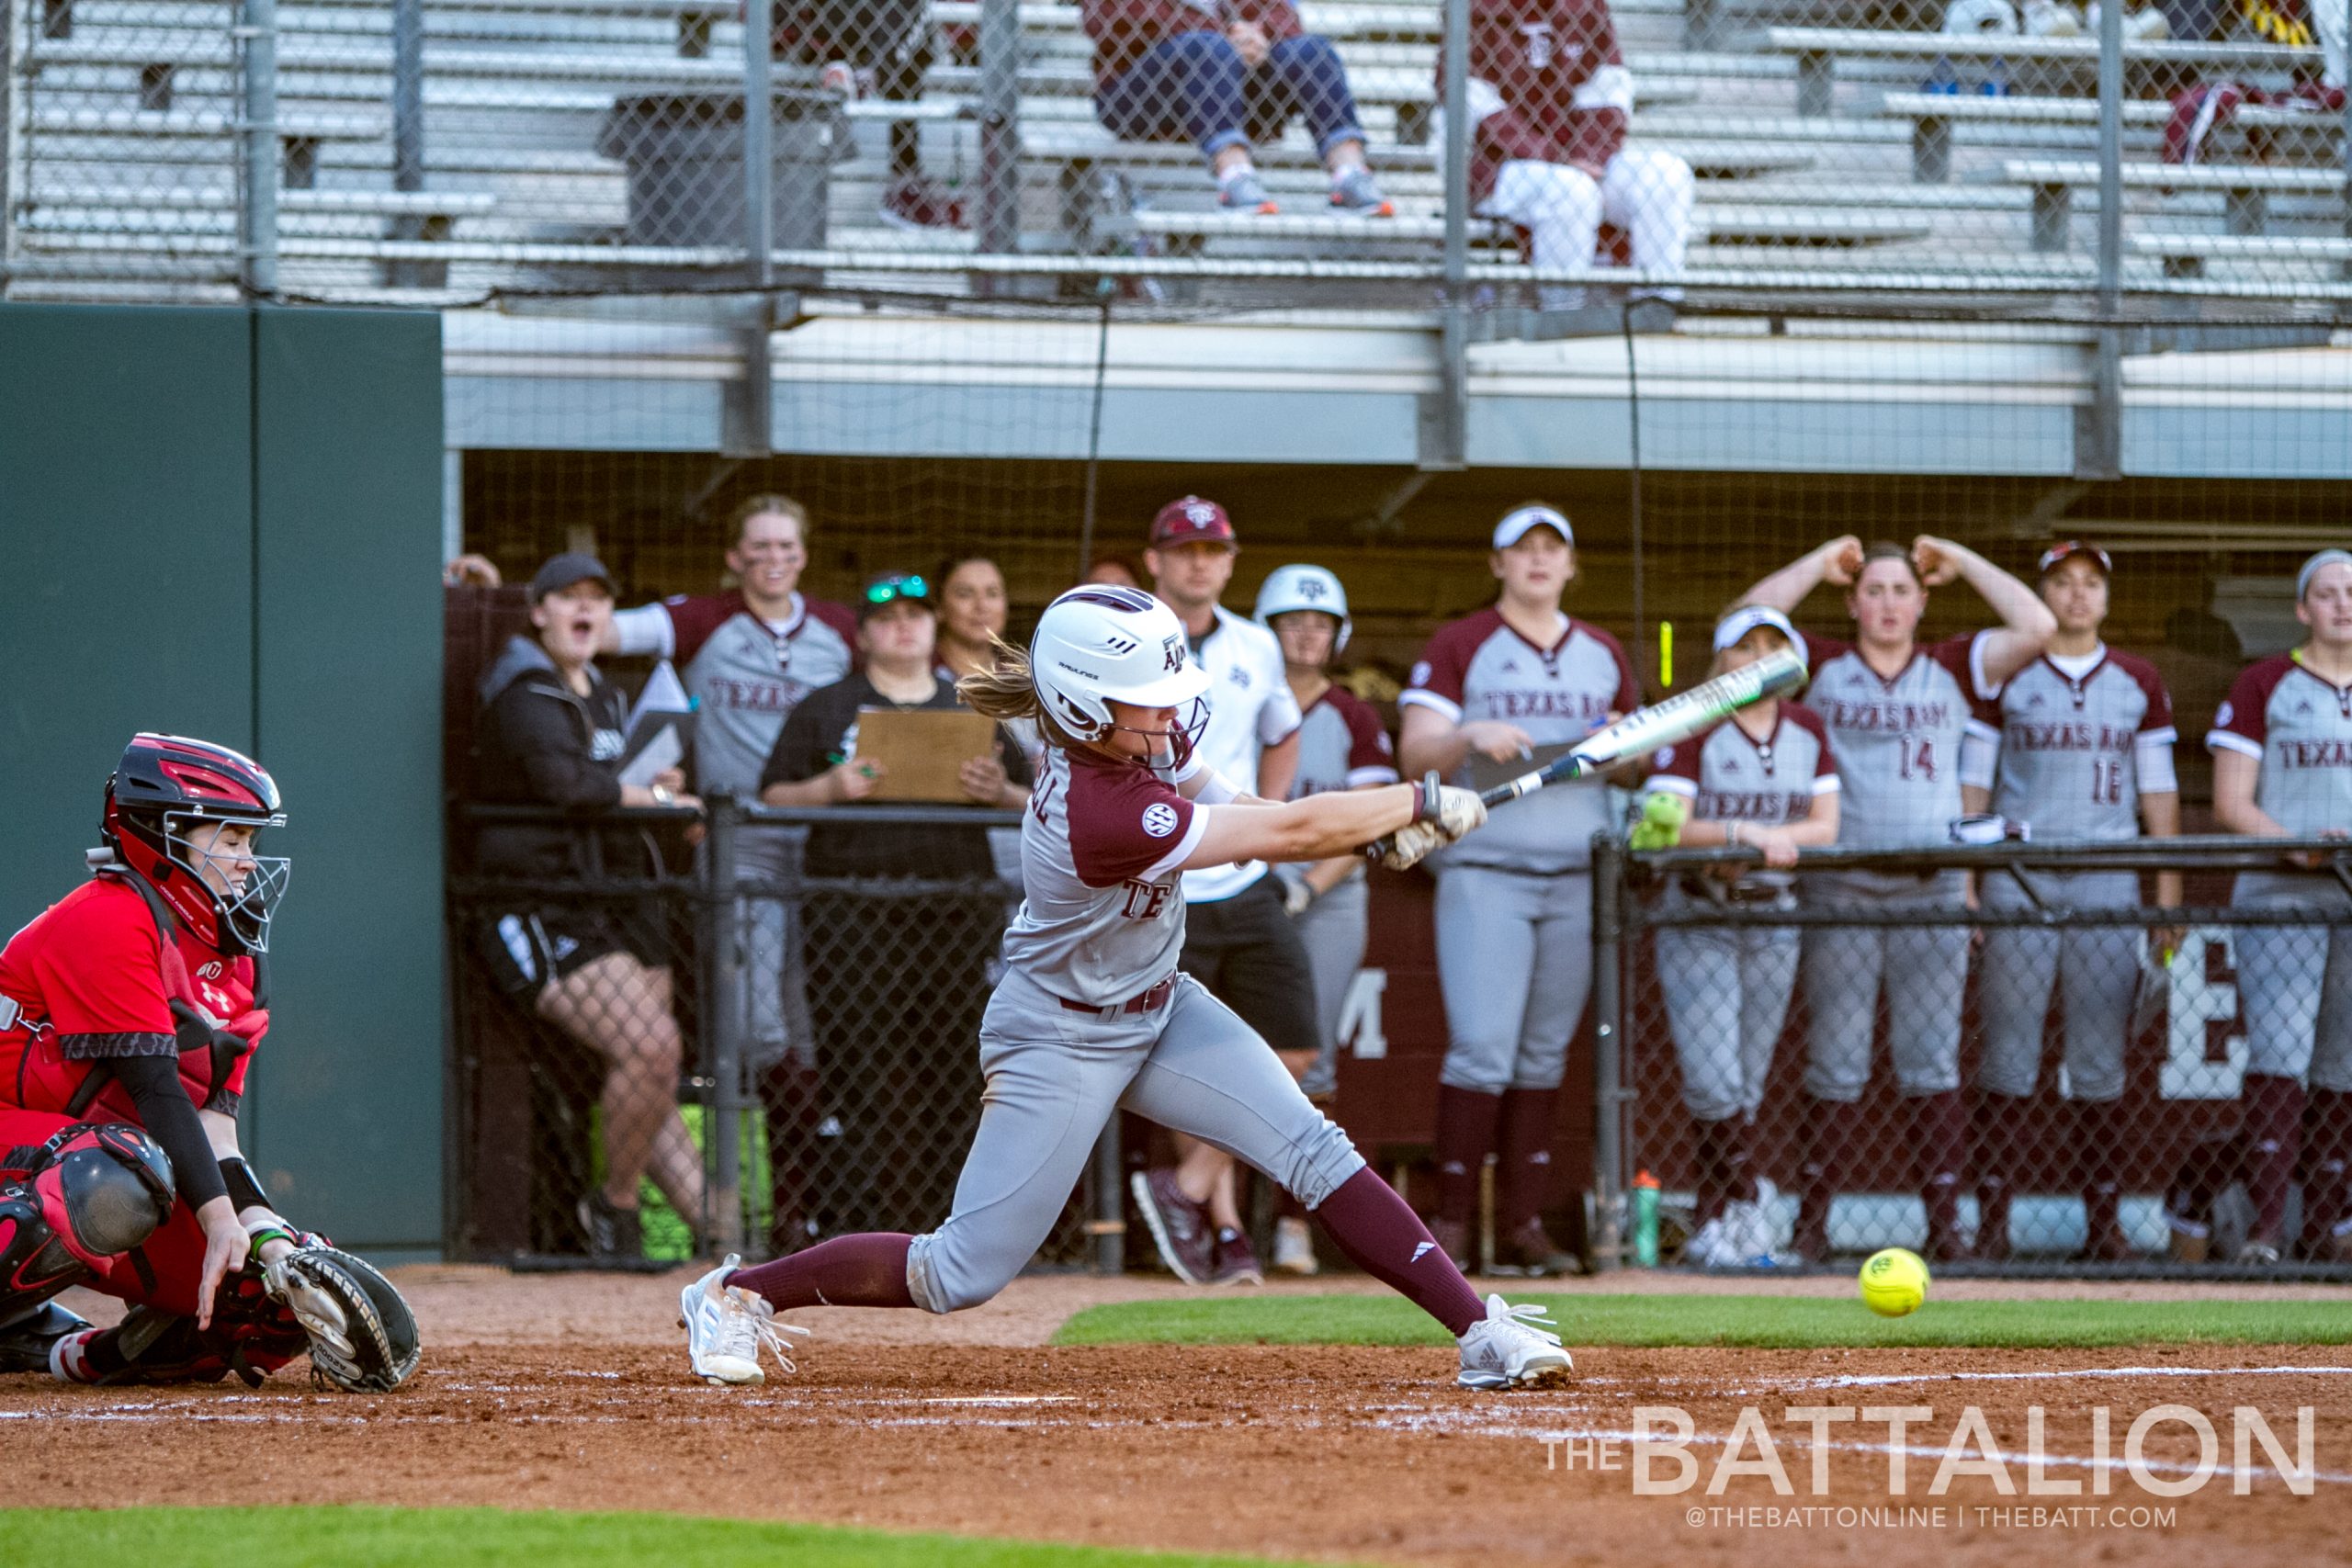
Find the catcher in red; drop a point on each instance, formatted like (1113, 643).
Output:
(130, 1011)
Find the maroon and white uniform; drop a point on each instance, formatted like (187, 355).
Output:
(2083, 736)
(1728, 988)
(2294, 982)
(1514, 901)
(1093, 1016)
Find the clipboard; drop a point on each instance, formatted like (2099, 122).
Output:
(921, 751)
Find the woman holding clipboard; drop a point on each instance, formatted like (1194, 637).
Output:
(895, 985)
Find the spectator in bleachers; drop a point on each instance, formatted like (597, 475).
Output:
(1228, 76)
(1897, 713)
(883, 47)
(2085, 752)
(1117, 572)
(550, 734)
(2282, 768)
(894, 989)
(1552, 99)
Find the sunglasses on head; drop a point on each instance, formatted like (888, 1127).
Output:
(903, 585)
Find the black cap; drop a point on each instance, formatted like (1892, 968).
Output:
(564, 570)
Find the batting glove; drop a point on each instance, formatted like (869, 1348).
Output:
(1296, 896)
(1413, 843)
(1452, 809)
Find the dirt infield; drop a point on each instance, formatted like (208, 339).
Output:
(572, 1394)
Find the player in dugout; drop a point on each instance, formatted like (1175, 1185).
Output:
(130, 1011)
(2282, 768)
(2085, 752)
(1093, 1014)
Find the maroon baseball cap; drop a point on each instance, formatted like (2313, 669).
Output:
(1190, 517)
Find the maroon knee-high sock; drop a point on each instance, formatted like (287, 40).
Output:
(795, 1111)
(1465, 1136)
(2000, 1161)
(1829, 1141)
(2207, 1167)
(1712, 1187)
(1524, 1163)
(2100, 1133)
(2328, 1138)
(1940, 1127)
(867, 1270)
(1383, 1236)
(2274, 1126)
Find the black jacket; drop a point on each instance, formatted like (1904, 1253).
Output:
(541, 743)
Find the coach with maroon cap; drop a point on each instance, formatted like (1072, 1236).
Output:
(1238, 939)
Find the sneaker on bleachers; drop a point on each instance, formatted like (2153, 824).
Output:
(1357, 192)
(1245, 192)
(918, 201)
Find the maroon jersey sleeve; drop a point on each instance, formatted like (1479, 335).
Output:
(693, 616)
(100, 966)
(1675, 767)
(1629, 690)
(1123, 822)
(1445, 663)
(2152, 686)
(2242, 722)
(1820, 650)
(844, 623)
(1370, 752)
(1825, 766)
(1958, 654)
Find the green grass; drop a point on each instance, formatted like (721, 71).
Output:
(1773, 1322)
(466, 1538)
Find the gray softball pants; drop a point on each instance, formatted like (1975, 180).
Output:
(1514, 962)
(2295, 982)
(1727, 990)
(2096, 969)
(1333, 929)
(1055, 1078)
(1923, 970)
(775, 972)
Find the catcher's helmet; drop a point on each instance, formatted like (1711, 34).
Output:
(164, 785)
(1099, 643)
(1289, 588)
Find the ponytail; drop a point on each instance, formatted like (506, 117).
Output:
(1005, 691)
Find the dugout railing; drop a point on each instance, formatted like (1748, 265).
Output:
(825, 1074)
(2154, 1126)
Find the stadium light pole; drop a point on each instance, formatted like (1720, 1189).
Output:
(1445, 437)
(2098, 447)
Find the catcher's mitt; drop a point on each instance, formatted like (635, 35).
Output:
(363, 1336)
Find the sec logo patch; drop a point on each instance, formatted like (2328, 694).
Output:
(1159, 819)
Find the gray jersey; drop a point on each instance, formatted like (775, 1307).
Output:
(1342, 746)
(2300, 727)
(1479, 668)
(745, 674)
(1728, 775)
(1102, 920)
(2072, 747)
(1897, 741)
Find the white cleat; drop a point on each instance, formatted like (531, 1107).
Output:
(726, 1327)
(1513, 1347)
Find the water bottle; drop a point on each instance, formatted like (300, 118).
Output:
(1645, 1220)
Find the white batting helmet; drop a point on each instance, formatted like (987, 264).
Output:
(1099, 643)
(1289, 588)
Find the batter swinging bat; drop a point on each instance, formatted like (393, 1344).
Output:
(1647, 729)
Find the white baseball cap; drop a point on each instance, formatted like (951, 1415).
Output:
(1747, 618)
(1519, 520)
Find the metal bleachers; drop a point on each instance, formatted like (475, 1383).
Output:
(1815, 150)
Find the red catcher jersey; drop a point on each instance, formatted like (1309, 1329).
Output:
(94, 980)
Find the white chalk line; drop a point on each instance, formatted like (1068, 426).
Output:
(1872, 1379)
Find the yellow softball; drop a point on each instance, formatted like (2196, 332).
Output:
(1893, 1282)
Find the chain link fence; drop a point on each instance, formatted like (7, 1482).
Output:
(784, 1055)
(458, 150)
(2046, 1074)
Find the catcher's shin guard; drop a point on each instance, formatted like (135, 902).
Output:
(90, 1194)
